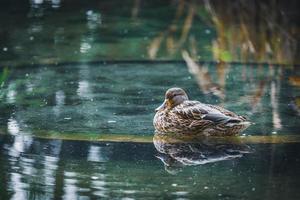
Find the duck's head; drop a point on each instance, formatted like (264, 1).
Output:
(173, 97)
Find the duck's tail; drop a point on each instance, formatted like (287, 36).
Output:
(238, 126)
(234, 122)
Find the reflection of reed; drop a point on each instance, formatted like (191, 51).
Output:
(294, 80)
(252, 97)
(256, 96)
(295, 104)
(135, 9)
(274, 93)
(155, 45)
(3, 77)
(204, 79)
(168, 36)
(251, 31)
(246, 31)
(39, 168)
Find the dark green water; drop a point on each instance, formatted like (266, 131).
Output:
(121, 98)
(87, 68)
(41, 31)
(55, 169)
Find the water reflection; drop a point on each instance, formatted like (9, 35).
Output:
(13, 126)
(38, 3)
(11, 94)
(204, 78)
(61, 31)
(55, 169)
(60, 102)
(121, 98)
(238, 37)
(94, 19)
(177, 152)
(271, 82)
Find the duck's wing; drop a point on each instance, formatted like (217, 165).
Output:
(223, 110)
(192, 115)
(204, 113)
(190, 110)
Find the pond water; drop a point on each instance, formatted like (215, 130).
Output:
(60, 169)
(120, 98)
(79, 82)
(115, 98)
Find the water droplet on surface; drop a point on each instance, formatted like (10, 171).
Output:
(84, 48)
(207, 31)
(89, 12)
(13, 126)
(38, 1)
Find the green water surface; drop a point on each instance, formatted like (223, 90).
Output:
(80, 80)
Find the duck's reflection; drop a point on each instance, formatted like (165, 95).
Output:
(178, 152)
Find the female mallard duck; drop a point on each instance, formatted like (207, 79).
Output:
(178, 114)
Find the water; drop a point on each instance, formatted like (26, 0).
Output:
(55, 169)
(105, 99)
(79, 82)
(121, 98)
(63, 30)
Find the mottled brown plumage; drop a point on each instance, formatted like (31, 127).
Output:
(179, 115)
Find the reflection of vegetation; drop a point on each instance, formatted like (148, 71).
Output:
(252, 30)
(241, 31)
(172, 43)
(84, 100)
(245, 31)
(255, 92)
(204, 79)
(294, 80)
(3, 76)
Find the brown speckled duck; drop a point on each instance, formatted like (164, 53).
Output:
(178, 114)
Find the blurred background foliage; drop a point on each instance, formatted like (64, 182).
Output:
(49, 32)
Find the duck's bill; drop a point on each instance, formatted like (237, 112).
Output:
(162, 106)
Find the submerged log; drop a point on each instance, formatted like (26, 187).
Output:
(97, 137)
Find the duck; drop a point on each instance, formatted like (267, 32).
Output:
(178, 114)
